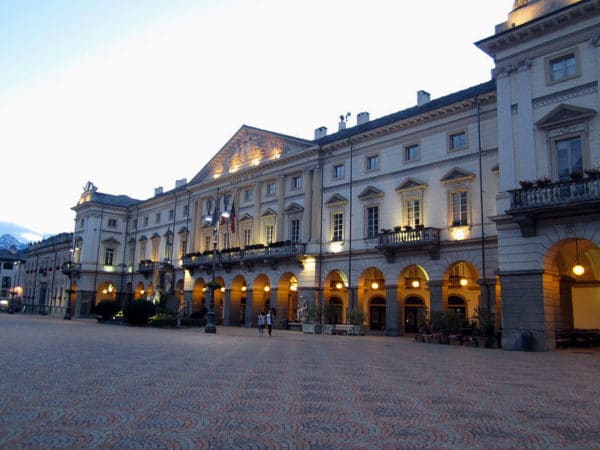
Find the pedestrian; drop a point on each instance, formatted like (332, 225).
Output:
(261, 322)
(270, 319)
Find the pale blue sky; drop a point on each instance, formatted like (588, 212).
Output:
(132, 95)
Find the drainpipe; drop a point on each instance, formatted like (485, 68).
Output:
(350, 291)
(480, 150)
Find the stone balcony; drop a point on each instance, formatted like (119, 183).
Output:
(247, 257)
(409, 240)
(553, 200)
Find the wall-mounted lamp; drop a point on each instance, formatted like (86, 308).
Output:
(374, 285)
(293, 286)
(267, 288)
(244, 288)
(339, 285)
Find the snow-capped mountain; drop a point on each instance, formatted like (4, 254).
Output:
(7, 241)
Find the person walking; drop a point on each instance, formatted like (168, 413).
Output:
(270, 319)
(261, 322)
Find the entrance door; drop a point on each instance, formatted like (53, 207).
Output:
(242, 310)
(377, 314)
(414, 313)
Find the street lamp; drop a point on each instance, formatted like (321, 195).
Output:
(213, 219)
(15, 287)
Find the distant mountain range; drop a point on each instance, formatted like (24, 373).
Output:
(18, 236)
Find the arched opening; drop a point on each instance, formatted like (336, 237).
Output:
(414, 314)
(377, 314)
(336, 286)
(199, 293)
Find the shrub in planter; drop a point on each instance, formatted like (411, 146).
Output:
(106, 309)
(139, 312)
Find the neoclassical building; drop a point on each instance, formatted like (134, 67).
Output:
(487, 197)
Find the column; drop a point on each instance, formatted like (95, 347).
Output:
(436, 296)
(280, 225)
(256, 231)
(527, 155)
(249, 319)
(308, 205)
(506, 152)
(393, 315)
(227, 307)
(316, 219)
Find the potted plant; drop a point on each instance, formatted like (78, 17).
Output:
(525, 184)
(356, 318)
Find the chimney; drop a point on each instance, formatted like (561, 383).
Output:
(342, 124)
(423, 97)
(320, 132)
(362, 117)
(158, 190)
(181, 182)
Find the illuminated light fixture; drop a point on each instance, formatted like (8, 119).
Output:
(216, 175)
(415, 282)
(293, 286)
(104, 291)
(244, 288)
(463, 282)
(374, 285)
(111, 288)
(222, 289)
(336, 247)
(204, 289)
(459, 233)
(267, 288)
(142, 292)
(577, 269)
(339, 285)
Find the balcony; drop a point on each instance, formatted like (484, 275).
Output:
(248, 257)
(147, 267)
(409, 240)
(553, 200)
(71, 269)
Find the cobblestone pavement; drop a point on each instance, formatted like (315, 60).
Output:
(83, 385)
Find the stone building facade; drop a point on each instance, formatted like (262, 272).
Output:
(484, 198)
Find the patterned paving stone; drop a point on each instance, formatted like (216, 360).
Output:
(83, 385)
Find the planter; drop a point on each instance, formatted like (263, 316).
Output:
(311, 328)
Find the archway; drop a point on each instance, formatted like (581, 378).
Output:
(237, 301)
(463, 293)
(414, 314)
(199, 297)
(336, 294)
(287, 298)
(140, 292)
(371, 297)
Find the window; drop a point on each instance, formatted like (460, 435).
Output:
(338, 171)
(459, 208)
(248, 195)
(372, 221)
(269, 233)
(297, 182)
(271, 189)
(565, 66)
(109, 255)
(185, 210)
(412, 152)
(157, 218)
(171, 214)
(207, 245)
(458, 141)
(295, 230)
(146, 221)
(338, 227)
(82, 223)
(372, 162)
(568, 157)
(112, 223)
(247, 237)
(413, 212)
(227, 201)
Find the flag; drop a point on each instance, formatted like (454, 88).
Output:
(232, 217)
(215, 217)
(223, 220)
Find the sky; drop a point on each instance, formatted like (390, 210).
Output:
(136, 94)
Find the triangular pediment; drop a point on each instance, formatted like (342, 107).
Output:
(370, 192)
(143, 238)
(456, 175)
(409, 184)
(268, 213)
(565, 115)
(249, 148)
(182, 230)
(111, 241)
(336, 199)
(155, 236)
(245, 218)
(294, 208)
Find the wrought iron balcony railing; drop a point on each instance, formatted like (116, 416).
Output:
(71, 269)
(248, 257)
(392, 242)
